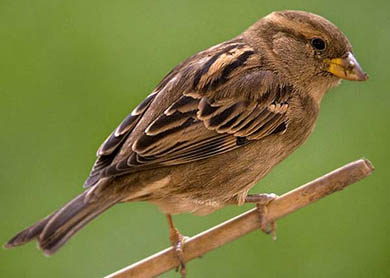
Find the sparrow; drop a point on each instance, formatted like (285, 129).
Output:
(213, 127)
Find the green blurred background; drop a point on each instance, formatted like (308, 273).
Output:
(71, 70)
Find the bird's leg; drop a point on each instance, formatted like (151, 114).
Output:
(262, 201)
(177, 241)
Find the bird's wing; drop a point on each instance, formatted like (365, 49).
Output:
(111, 146)
(228, 102)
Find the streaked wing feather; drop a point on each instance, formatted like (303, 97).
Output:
(107, 151)
(213, 115)
(176, 138)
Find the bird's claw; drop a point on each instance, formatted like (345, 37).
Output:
(267, 228)
(262, 201)
(178, 241)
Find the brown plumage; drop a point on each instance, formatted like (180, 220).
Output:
(214, 126)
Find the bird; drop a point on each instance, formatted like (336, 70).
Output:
(214, 126)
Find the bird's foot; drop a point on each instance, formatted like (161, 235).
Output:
(177, 241)
(262, 201)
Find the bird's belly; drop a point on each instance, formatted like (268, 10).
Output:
(204, 189)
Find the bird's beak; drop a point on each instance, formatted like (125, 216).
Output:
(346, 68)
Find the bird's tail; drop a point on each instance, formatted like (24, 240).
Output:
(56, 229)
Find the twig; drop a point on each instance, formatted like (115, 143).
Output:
(249, 221)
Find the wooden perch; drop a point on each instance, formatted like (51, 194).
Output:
(249, 221)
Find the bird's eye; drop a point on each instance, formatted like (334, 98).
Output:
(318, 44)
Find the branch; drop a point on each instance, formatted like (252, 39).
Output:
(249, 221)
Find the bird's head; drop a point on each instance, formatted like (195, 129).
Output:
(305, 49)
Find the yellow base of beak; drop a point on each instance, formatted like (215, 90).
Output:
(346, 68)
